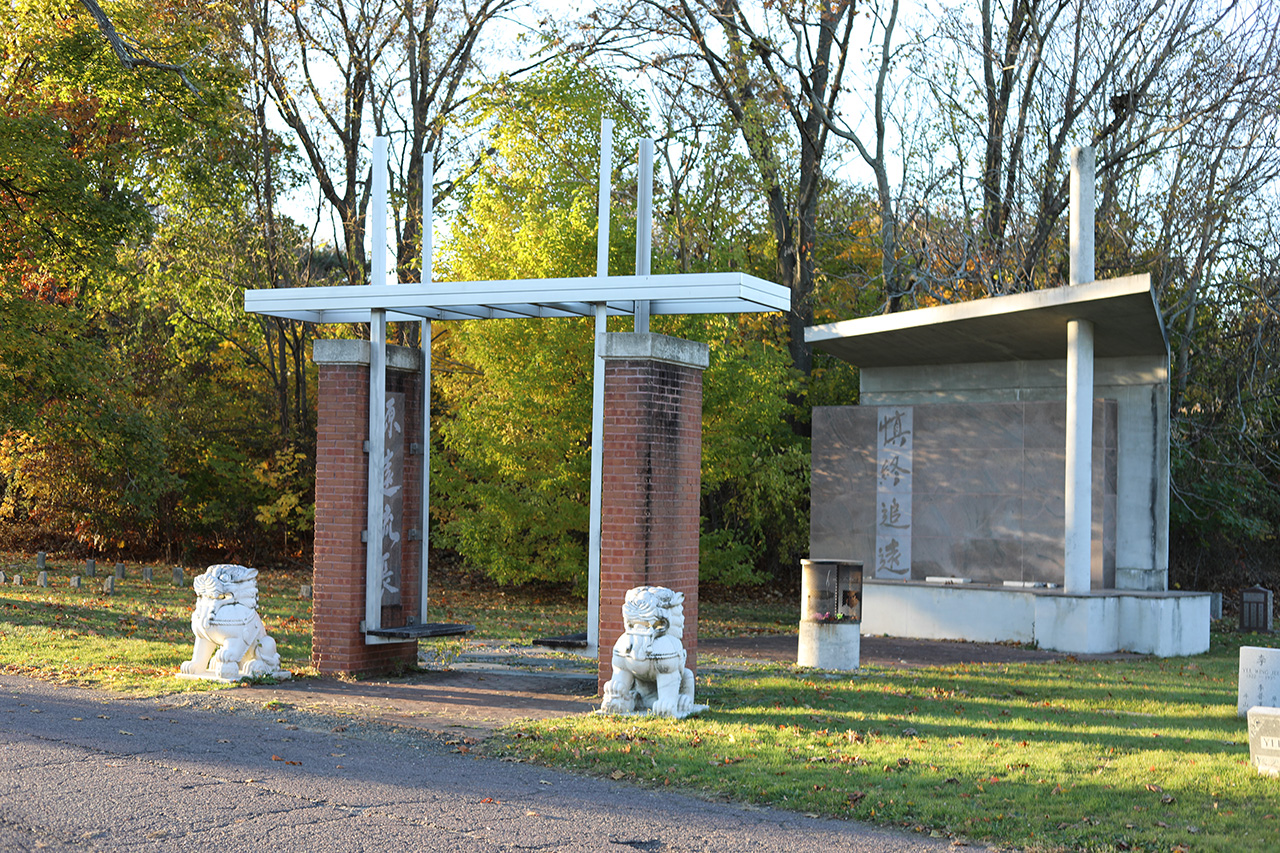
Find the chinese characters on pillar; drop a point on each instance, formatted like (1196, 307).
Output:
(893, 492)
(392, 500)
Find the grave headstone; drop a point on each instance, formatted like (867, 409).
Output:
(119, 571)
(1255, 609)
(1259, 682)
(304, 592)
(90, 568)
(3, 578)
(109, 585)
(147, 574)
(40, 560)
(17, 580)
(42, 579)
(1215, 606)
(75, 581)
(178, 578)
(1264, 739)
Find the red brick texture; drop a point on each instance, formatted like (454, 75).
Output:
(338, 605)
(652, 477)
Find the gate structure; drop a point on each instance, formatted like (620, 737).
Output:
(373, 470)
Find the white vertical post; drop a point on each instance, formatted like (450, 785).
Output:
(377, 449)
(377, 390)
(378, 213)
(425, 502)
(428, 221)
(602, 197)
(1081, 218)
(1078, 520)
(597, 393)
(1079, 485)
(428, 215)
(644, 226)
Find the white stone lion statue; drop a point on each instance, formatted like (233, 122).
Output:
(231, 641)
(649, 675)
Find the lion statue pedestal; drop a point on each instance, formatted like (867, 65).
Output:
(231, 641)
(649, 675)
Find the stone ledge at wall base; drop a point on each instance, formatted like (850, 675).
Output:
(1148, 580)
(1264, 739)
(1164, 624)
(835, 646)
(231, 641)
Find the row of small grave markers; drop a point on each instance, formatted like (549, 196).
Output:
(91, 570)
(108, 585)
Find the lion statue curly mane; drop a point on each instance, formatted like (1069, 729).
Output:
(231, 641)
(649, 675)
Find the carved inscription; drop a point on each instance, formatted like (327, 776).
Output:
(893, 492)
(392, 500)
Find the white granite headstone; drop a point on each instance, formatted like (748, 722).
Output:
(1264, 739)
(1259, 682)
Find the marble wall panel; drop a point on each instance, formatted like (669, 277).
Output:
(944, 470)
(987, 516)
(987, 560)
(987, 489)
(983, 426)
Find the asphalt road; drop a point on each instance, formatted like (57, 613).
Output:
(87, 770)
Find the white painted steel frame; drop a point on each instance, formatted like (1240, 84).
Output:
(384, 300)
(596, 496)
(644, 227)
(681, 293)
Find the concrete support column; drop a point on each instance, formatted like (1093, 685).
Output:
(1079, 482)
(652, 478)
(338, 602)
(1081, 216)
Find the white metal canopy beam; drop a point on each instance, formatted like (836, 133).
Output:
(683, 293)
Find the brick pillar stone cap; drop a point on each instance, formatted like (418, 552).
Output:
(646, 346)
(353, 352)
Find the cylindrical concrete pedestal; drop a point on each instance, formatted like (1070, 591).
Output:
(830, 645)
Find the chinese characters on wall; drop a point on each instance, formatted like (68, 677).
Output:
(392, 500)
(893, 492)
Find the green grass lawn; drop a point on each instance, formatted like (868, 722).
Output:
(1108, 756)
(525, 614)
(1124, 755)
(131, 639)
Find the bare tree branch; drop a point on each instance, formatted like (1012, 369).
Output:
(130, 55)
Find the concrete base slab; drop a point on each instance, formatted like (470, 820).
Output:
(830, 645)
(1165, 624)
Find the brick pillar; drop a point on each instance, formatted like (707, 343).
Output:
(652, 455)
(338, 594)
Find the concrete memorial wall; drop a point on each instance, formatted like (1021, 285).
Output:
(963, 490)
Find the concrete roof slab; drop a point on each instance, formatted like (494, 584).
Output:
(1019, 327)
